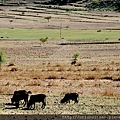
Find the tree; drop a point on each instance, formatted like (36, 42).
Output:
(75, 58)
(43, 40)
(2, 58)
(4, 1)
(104, 4)
(48, 18)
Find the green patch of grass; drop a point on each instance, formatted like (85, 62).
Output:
(92, 34)
(109, 35)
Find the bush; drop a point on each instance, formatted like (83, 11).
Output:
(48, 18)
(75, 57)
(2, 57)
(43, 39)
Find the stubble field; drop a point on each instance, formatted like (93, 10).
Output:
(46, 68)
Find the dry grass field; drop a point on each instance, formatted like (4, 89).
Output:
(47, 68)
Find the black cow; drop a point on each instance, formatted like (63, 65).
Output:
(37, 98)
(70, 96)
(20, 95)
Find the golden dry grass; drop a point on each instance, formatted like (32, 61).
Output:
(36, 77)
(67, 71)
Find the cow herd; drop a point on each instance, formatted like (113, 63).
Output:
(24, 95)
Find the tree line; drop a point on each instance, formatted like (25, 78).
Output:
(105, 4)
(91, 4)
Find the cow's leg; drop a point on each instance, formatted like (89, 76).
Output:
(30, 107)
(17, 104)
(68, 101)
(25, 102)
(43, 104)
(34, 105)
(76, 100)
(12, 100)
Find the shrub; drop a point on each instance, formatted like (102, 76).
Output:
(75, 58)
(14, 69)
(52, 76)
(51, 83)
(23, 13)
(2, 57)
(90, 77)
(79, 64)
(10, 20)
(34, 83)
(98, 30)
(11, 64)
(48, 18)
(81, 85)
(43, 40)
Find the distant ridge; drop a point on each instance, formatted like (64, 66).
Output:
(109, 5)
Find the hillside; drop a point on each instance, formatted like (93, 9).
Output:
(91, 4)
(109, 5)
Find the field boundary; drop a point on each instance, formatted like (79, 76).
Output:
(17, 39)
(77, 43)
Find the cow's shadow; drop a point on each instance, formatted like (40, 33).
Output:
(9, 104)
(27, 108)
(12, 106)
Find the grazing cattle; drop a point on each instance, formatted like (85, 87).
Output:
(20, 95)
(70, 96)
(37, 98)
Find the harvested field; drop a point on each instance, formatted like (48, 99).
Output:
(31, 17)
(46, 68)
